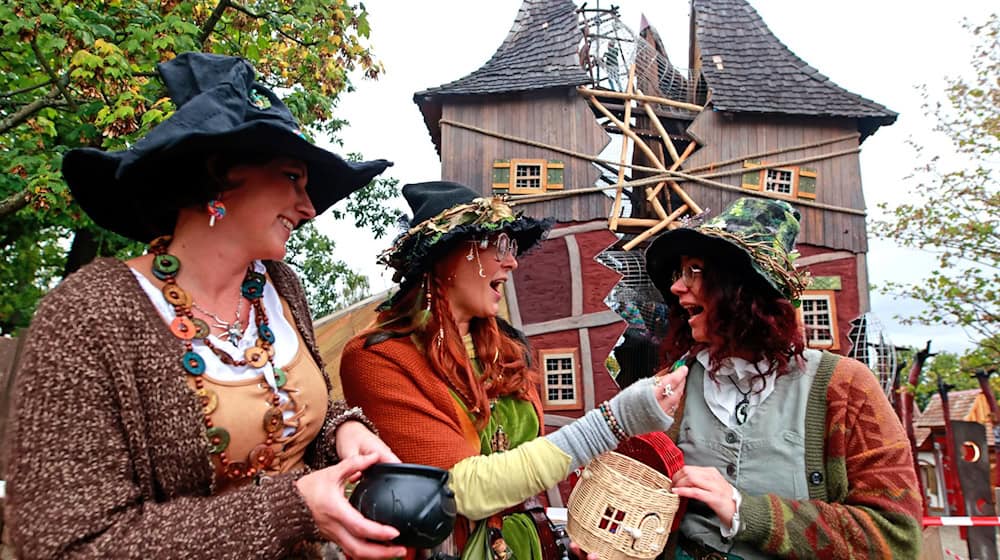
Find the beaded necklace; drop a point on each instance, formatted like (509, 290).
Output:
(187, 328)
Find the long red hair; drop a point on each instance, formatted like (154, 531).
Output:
(423, 312)
(746, 318)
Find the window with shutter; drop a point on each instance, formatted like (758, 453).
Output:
(527, 176)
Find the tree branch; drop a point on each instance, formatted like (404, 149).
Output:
(25, 89)
(13, 203)
(30, 109)
(210, 23)
(295, 40)
(59, 82)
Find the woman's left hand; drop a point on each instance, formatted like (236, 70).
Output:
(707, 485)
(354, 438)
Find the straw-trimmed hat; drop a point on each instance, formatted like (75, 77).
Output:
(220, 109)
(758, 232)
(445, 212)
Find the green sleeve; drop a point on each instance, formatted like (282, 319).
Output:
(488, 484)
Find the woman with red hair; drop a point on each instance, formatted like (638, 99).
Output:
(788, 452)
(450, 385)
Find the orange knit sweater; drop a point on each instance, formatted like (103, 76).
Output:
(409, 404)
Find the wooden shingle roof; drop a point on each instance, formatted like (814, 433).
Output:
(749, 70)
(540, 52)
(960, 404)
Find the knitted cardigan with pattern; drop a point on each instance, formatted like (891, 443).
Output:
(108, 455)
(864, 499)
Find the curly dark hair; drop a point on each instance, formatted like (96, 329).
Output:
(745, 318)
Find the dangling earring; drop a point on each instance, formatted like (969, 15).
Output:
(216, 211)
(475, 247)
(471, 249)
(440, 337)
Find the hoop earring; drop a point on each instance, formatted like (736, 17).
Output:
(216, 211)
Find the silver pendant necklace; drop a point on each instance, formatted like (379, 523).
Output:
(234, 330)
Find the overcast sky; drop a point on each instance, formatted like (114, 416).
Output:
(881, 49)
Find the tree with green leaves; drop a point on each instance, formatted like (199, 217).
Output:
(956, 213)
(83, 73)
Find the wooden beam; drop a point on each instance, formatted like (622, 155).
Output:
(789, 163)
(587, 369)
(510, 290)
(573, 230)
(585, 321)
(575, 277)
(822, 258)
(616, 208)
(761, 194)
(687, 152)
(635, 138)
(740, 159)
(638, 222)
(655, 229)
(537, 144)
(639, 97)
(667, 142)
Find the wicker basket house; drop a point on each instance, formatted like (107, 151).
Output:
(621, 509)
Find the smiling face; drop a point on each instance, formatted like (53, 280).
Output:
(267, 203)
(470, 294)
(687, 287)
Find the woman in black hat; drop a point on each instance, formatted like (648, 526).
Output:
(175, 405)
(788, 451)
(448, 384)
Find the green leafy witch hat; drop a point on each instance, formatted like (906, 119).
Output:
(762, 231)
(446, 212)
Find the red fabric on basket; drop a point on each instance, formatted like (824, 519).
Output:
(657, 451)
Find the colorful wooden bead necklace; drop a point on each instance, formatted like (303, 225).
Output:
(187, 328)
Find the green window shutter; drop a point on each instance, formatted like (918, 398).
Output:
(829, 283)
(752, 179)
(501, 174)
(554, 175)
(807, 183)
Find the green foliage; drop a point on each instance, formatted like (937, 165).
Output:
(957, 215)
(955, 370)
(330, 284)
(83, 73)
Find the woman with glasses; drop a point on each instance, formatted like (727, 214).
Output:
(448, 384)
(788, 451)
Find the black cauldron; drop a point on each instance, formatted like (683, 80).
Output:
(412, 498)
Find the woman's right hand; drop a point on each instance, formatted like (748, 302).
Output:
(669, 388)
(337, 520)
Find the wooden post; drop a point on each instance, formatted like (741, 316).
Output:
(616, 208)
(687, 152)
(655, 229)
(740, 159)
(667, 142)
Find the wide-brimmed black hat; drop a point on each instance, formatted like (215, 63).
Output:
(220, 109)
(758, 234)
(446, 212)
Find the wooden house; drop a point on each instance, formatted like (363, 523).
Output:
(750, 117)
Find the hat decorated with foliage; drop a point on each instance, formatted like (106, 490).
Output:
(220, 109)
(445, 212)
(760, 231)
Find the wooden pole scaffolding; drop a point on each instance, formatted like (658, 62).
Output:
(617, 207)
(655, 229)
(639, 97)
(740, 159)
(779, 164)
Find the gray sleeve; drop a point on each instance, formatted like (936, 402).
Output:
(637, 412)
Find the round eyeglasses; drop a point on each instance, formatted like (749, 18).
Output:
(687, 273)
(504, 243)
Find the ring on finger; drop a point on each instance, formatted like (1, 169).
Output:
(668, 390)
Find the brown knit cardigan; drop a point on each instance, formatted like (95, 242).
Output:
(108, 454)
